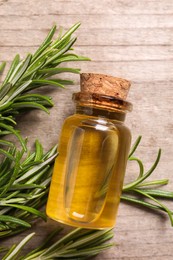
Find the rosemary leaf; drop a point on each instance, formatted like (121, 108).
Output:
(47, 101)
(47, 82)
(158, 193)
(15, 250)
(14, 64)
(2, 67)
(26, 104)
(53, 71)
(11, 130)
(6, 218)
(7, 143)
(21, 71)
(28, 209)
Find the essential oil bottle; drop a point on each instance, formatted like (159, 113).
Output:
(93, 150)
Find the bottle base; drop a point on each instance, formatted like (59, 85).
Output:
(80, 225)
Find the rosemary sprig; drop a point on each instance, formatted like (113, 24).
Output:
(78, 244)
(147, 193)
(33, 72)
(24, 186)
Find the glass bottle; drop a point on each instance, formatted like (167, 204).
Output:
(93, 150)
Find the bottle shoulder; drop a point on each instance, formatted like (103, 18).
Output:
(75, 118)
(95, 122)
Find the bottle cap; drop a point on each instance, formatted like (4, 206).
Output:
(104, 84)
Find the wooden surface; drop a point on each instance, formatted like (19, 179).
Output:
(125, 38)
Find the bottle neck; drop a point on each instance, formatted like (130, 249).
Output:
(99, 112)
(99, 105)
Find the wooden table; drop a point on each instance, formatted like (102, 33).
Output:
(125, 38)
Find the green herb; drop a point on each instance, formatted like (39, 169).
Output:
(147, 193)
(24, 186)
(32, 73)
(78, 244)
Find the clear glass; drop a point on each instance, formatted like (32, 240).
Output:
(89, 171)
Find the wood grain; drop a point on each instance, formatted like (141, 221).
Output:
(76, 7)
(115, 21)
(124, 38)
(93, 37)
(102, 53)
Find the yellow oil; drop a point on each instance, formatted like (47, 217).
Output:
(89, 171)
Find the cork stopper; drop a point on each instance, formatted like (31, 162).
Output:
(104, 84)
